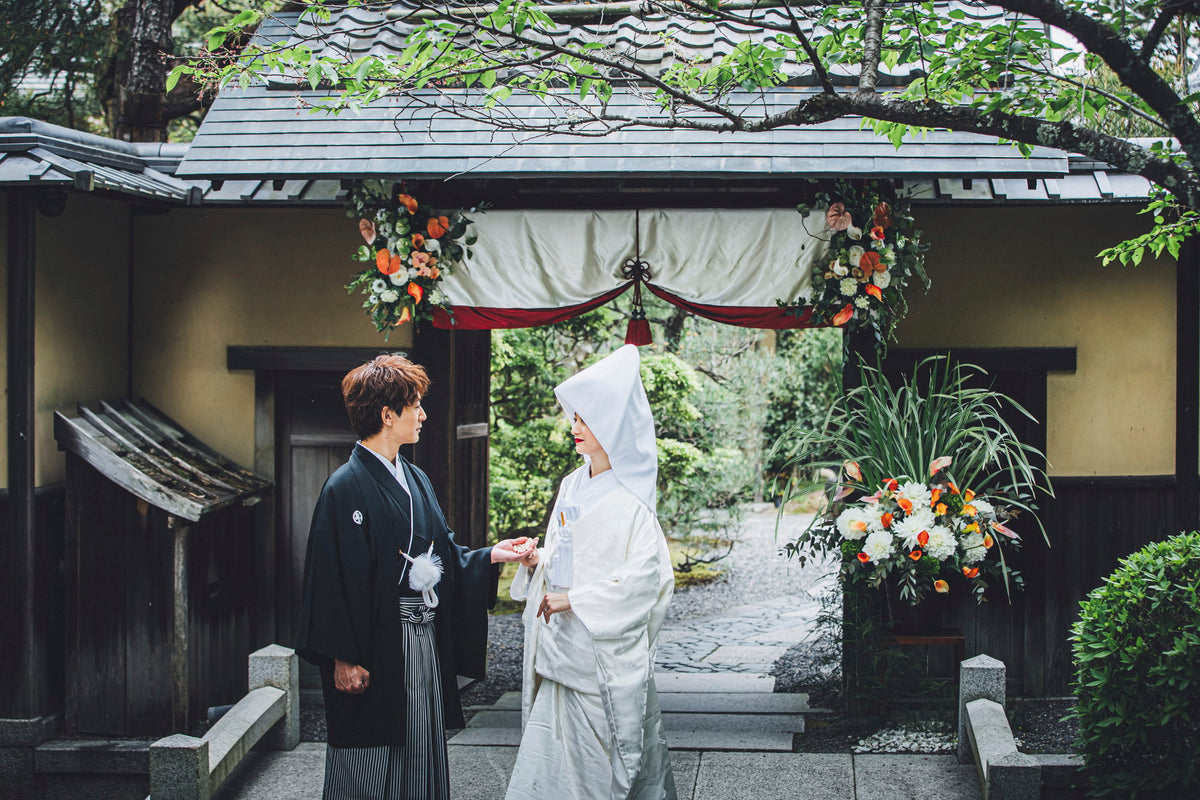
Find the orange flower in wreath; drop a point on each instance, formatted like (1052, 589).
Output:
(883, 216)
(409, 202)
(843, 316)
(418, 241)
(870, 262)
(438, 226)
(971, 572)
(415, 291)
(941, 587)
(387, 263)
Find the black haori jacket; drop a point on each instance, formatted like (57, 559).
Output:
(351, 610)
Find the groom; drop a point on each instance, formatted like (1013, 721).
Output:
(389, 643)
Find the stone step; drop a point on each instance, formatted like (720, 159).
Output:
(778, 723)
(705, 702)
(713, 682)
(677, 739)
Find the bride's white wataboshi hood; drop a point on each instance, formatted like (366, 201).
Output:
(609, 397)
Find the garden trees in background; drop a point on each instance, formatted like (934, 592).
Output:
(1075, 75)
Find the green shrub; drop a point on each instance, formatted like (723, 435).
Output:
(1137, 661)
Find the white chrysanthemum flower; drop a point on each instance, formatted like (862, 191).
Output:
(389, 295)
(848, 286)
(853, 523)
(874, 517)
(882, 279)
(878, 546)
(398, 278)
(378, 285)
(855, 254)
(916, 493)
(862, 301)
(972, 547)
(984, 507)
(942, 543)
(908, 529)
(923, 516)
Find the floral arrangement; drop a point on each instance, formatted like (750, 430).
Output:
(409, 250)
(874, 252)
(921, 532)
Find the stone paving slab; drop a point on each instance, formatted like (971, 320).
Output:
(777, 776)
(903, 777)
(792, 635)
(742, 654)
(694, 721)
(268, 775)
(713, 682)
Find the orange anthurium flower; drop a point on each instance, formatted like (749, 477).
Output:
(968, 496)
(877, 233)
(853, 470)
(941, 587)
(940, 509)
(886, 520)
(415, 291)
(874, 291)
(408, 202)
(988, 541)
(418, 241)
(970, 510)
(870, 263)
(923, 538)
(367, 229)
(397, 264)
(915, 555)
(405, 315)
(905, 504)
(437, 227)
(934, 495)
(863, 557)
(382, 258)
(843, 316)
(971, 572)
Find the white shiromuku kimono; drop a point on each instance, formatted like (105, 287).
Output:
(591, 724)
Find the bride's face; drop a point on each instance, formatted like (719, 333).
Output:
(586, 443)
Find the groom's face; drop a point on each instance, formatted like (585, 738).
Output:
(408, 426)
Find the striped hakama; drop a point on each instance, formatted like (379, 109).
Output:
(418, 770)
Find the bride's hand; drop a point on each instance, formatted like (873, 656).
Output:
(553, 603)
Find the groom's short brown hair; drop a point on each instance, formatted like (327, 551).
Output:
(386, 380)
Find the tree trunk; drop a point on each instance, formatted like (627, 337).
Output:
(142, 32)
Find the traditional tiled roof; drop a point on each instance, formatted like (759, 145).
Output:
(38, 154)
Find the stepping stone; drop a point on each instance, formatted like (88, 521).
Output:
(713, 682)
(731, 703)
(793, 635)
(745, 654)
(508, 700)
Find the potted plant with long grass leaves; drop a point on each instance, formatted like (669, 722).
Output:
(928, 486)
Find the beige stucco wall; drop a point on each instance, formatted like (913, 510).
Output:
(208, 279)
(80, 308)
(1011, 277)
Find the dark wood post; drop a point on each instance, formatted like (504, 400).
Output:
(1187, 387)
(18, 644)
(180, 654)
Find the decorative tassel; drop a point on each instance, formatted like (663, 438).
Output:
(638, 331)
(424, 575)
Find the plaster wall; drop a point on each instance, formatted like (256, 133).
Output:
(208, 279)
(81, 317)
(1027, 277)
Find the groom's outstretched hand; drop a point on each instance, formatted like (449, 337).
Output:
(521, 549)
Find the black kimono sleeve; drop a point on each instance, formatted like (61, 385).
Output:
(337, 604)
(476, 590)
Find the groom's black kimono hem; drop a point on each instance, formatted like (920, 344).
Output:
(351, 612)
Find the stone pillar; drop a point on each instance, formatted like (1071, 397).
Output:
(981, 677)
(179, 769)
(279, 667)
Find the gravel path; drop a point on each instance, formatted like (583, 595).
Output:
(755, 572)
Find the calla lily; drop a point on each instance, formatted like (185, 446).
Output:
(874, 498)
(939, 464)
(915, 555)
(934, 496)
(923, 538)
(1000, 527)
(409, 202)
(843, 316)
(968, 496)
(905, 504)
(877, 233)
(405, 315)
(859, 525)
(891, 484)
(988, 541)
(970, 510)
(874, 291)
(415, 291)
(842, 492)
(852, 470)
(972, 528)
(367, 229)
(418, 240)
(940, 509)
(941, 587)
(971, 572)
(863, 557)
(886, 520)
